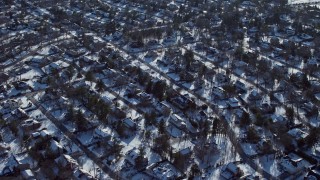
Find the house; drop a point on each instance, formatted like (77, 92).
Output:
(67, 162)
(265, 146)
(266, 108)
(180, 1)
(313, 174)
(132, 155)
(30, 125)
(248, 4)
(17, 114)
(169, 39)
(55, 149)
(177, 121)
(188, 38)
(102, 132)
(186, 152)
(75, 52)
(290, 31)
(292, 163)
(163, 170)
(240, 86)
(238, 112)
(306, 37)
(218, 92)
(44, 134)
(145, 96)
(4, 150)
(151, 55)
(129, 124)
(164, 108)
(11, 104)
(81, 174)
(8, 166)
(20, 85)
(254, 95)
(278, 119)
(316, 152)
(4, 77)
(231, 171)
(27, 174)
(233, 102)
(181, 101)
(210, 51)
(298, 133)
(251, 150)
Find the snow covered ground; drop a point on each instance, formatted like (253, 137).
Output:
(302, 1)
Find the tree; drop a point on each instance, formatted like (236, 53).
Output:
(194, 171)
(267, 147)
(70, 114)
(305, 82)
(162, 145)
(99, 85)
(149, 87)
(147, 134)
(290, 114)
(252, 135)
(120, 129)
(116, 148)
(150, 118)
(274, 41)
(80, 121)
(313, 137)
(229, 89)
(286, 140)
(260, 121)
(110, 28)
(202, 70)
(245, 119)
(70, 72)
(159, 89)
(141, 161)
(304, 52)
(264, 65)
(205, 126)
(89, 76)
(216, 126)
(162, 127)
(189, 58)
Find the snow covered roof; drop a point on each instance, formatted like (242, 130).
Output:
(27, 174)
(7, 165)
(177, 120)
(165, 170)
(298, 133)
(249, 149)
(103, 131)
(293, 163)
(35, 134)
(185, 151)
(277, 118)
(294, 157)
(64, 159)
(54, 145)
(129, 122)
(44, 133)
(233, 102)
